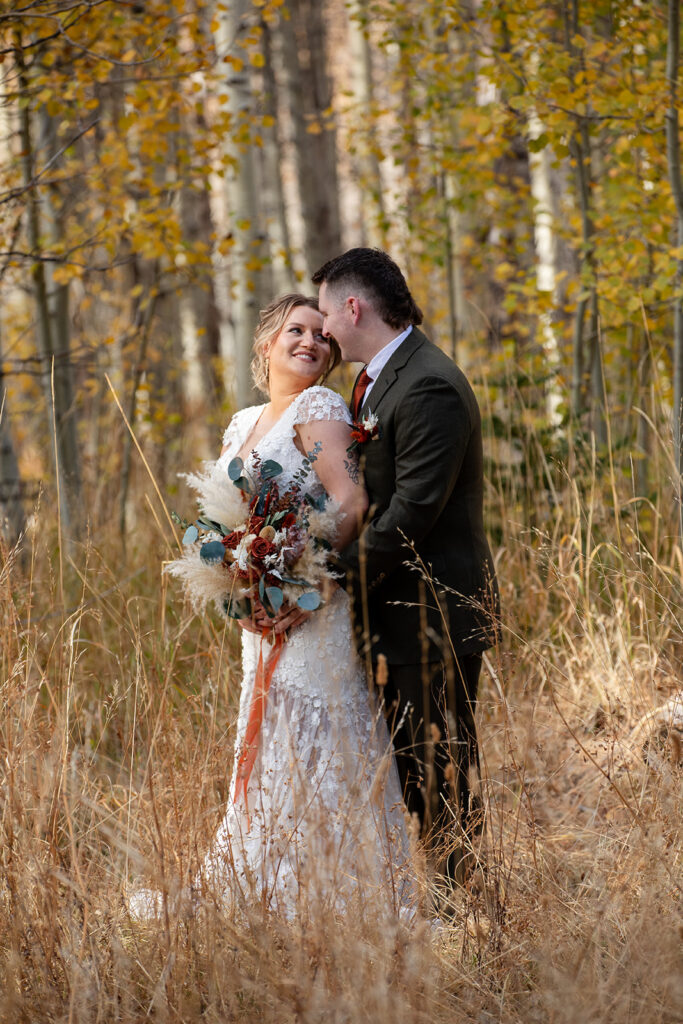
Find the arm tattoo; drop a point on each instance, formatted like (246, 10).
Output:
(351, 467)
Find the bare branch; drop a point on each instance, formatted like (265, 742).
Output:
(16, 192)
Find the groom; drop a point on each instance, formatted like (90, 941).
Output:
(421, 573)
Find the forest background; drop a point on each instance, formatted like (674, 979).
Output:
(166, 168)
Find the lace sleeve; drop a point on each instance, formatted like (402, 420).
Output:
(320, 403)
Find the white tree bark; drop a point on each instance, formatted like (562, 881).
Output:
(546, 270)
(370, 190)
(52, 313)
(273, 170)
(11, 505)
(248, 254)
(673, 146)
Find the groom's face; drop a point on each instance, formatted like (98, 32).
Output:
(338, 321)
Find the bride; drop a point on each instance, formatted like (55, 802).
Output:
(321, 818)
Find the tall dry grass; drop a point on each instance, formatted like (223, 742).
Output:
(116, 731)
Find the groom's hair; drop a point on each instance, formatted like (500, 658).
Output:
(374, 274)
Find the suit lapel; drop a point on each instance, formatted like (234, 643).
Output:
(390, 372)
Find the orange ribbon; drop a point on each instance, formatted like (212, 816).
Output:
(264, 675)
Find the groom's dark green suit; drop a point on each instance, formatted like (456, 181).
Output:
(424, 478)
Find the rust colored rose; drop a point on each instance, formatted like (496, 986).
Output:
(233, 539)
(260, 548)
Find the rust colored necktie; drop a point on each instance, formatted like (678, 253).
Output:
(359, 389)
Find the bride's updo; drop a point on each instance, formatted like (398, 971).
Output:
(271, 321)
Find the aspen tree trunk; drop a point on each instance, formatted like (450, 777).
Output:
(198, 316)
(546, 272)
(454, 218)
(410, 173)
(52, 314)
(58, 302)
(248, 254)
(142, 315)
(273, 165)
(373, 225)
(643, 431)
(310, 100)
(587, 306)
(11, 506)
(673, 147)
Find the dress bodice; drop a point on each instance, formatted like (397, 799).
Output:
(315, 403)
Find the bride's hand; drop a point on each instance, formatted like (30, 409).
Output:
(289, 617)
(259, 620)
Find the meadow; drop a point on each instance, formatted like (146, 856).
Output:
(116, 729)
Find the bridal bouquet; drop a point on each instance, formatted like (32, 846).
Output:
(256, 539)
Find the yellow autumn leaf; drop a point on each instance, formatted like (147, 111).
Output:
(62, 275)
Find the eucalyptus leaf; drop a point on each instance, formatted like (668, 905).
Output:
(244, 484)
(210, 524)
(190, 535)
(235, 467)
(270, 468)
(212, 552)
(276, 597)
(309, 601)
(261, 587)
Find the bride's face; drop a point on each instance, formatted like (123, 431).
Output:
(300, 353)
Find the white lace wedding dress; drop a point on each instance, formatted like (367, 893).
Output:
(324, 816)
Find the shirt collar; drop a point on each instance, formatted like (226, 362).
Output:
(380, 360)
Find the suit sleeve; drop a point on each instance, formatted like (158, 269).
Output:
(432, 433)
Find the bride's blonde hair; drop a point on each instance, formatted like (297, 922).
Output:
(271, 321)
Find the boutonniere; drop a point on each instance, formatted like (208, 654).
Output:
(364, 430)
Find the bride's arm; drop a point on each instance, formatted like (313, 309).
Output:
(337, 472)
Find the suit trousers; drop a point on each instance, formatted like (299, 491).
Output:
(430, 712)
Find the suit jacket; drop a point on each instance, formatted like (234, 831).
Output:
(424, 477)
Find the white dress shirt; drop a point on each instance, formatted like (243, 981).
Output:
(379, 361)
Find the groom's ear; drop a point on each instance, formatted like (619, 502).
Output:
(353, 307)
